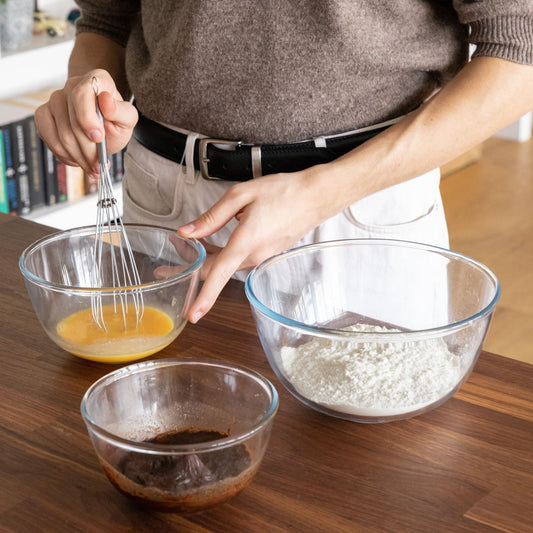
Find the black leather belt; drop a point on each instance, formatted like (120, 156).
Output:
(236, 161)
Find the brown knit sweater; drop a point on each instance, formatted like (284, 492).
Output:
(284, 70)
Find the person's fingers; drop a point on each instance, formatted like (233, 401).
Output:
(217, 216)
(119, 113)
(58, 128)
(166, 271)
(85, 122)
(189, 255)
(212, 252)
(119, 116)
(81, 103)
(268, 224)
(210, 248)
(47, 130)
(52, 122)
(70, 126)
(119, 120)
(184, 248)
(225, 264)
(86, 147)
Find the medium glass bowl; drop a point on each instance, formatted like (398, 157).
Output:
(372, 330)
(58, 271)
(182, 434)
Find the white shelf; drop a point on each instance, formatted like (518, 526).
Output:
(43, 63)
(30, 71)
(73, 214)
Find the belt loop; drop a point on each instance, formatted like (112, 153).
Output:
(257, 169)
(189, 158)
(320, 142)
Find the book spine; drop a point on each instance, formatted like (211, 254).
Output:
(91, 183)
(4, 204)
(11, 175)
(75, 183)
(61, 173)
(37, 190)
(22, 168)
(50, 178)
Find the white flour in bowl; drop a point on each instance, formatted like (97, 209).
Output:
(372, 378)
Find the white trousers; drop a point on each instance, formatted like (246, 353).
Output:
(160, 192)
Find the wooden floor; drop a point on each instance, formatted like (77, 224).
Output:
(489, 208)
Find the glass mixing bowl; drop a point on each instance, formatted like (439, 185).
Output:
(58, 273)
(180, 434)
(372, 330)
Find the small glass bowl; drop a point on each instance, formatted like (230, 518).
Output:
(180, 435)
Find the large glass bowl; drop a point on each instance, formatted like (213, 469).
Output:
(372, 330)
(59, 276)
(180, 434)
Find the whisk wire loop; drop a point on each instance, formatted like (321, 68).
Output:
(110, 232)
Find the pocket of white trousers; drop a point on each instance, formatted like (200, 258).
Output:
(395, 228)
(150, 198)
(400, 209)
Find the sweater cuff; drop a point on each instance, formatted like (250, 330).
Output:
(115, 28)
(506, 37)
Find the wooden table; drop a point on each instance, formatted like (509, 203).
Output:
(466, 466)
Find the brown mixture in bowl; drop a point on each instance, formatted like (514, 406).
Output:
(183, 483)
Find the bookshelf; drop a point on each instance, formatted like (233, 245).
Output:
(72, 214)
(35, 184)
(31, 70)
(39, 66)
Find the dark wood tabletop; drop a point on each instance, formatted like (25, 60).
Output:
(465, 466)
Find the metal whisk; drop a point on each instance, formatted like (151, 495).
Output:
(111, 239)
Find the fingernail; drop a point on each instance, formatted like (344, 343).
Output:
(95, 135)
(196, 316)
(189, 228)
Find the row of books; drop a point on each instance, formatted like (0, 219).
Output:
(31, 177)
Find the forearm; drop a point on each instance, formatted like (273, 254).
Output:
(92, 51)
(484, 97)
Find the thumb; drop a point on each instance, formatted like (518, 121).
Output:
(119, 113)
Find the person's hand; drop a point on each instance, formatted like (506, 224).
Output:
(274, 213)
(187, 254)
(70, 127)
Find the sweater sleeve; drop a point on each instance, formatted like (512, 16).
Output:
(110, 18)
(499, 28)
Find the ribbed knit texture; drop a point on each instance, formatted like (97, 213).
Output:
(505, 37)
(285, 70)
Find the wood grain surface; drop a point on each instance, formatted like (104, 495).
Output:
(489, 210)
(466, 466)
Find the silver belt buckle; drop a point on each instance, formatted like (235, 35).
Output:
(204, 160)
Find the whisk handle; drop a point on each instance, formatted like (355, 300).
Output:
(101, 147)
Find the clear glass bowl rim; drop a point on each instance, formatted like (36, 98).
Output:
(179, 449)
(343, 335)
(87, 230)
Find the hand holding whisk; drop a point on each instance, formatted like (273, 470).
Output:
(111, 239)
